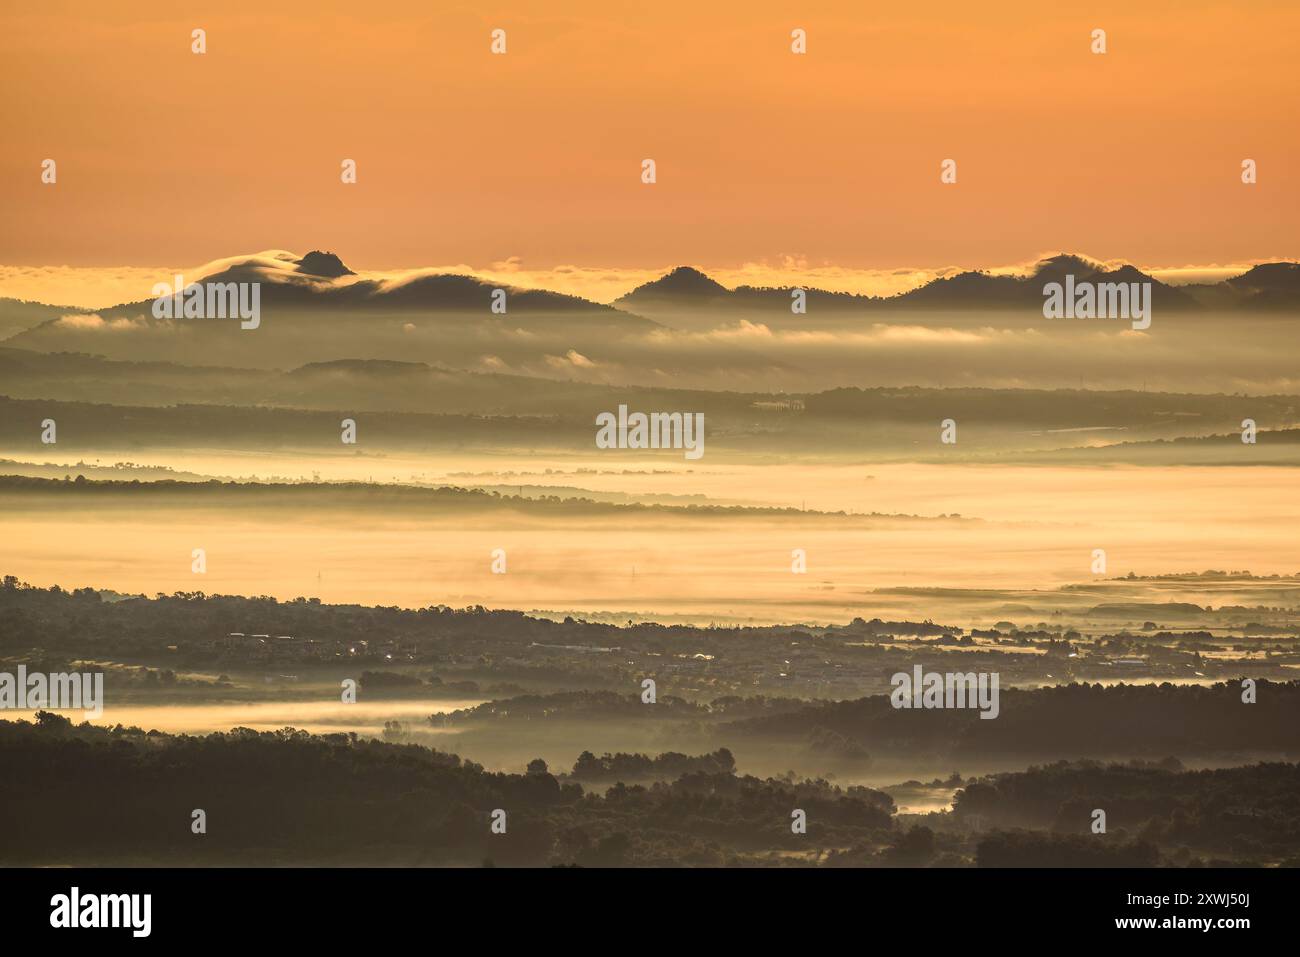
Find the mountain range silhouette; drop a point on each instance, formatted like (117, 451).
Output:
(320, 280)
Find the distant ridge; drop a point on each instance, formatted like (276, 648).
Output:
(322, 281)
(1272, 285)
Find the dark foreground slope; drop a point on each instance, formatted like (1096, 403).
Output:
(83, 795)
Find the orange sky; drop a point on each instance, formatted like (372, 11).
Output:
(829, 159)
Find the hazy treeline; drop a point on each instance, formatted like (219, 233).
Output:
(35, 491)
(80, 619)
(1063, 721)
(488, 414)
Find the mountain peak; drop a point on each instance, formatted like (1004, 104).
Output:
(1268, 277)
(1127, 273)
(1055, 267)
(686, 281)
(317, 263)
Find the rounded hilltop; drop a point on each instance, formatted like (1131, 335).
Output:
(318, 263)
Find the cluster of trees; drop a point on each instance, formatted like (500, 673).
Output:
(637, 767)
(402, 683)
(1249, 813)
